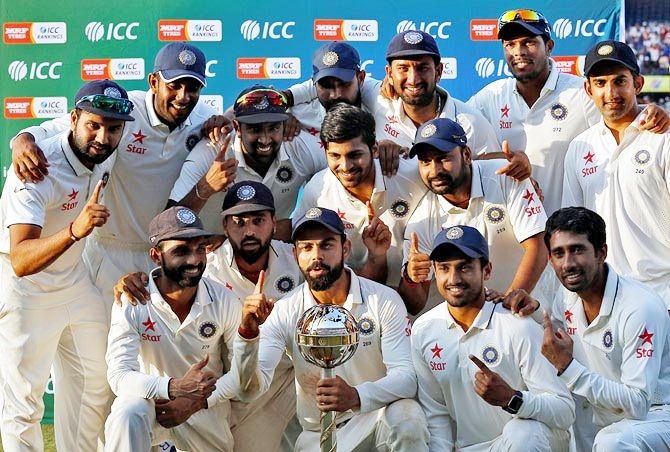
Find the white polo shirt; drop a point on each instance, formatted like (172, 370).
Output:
(506, 212)
(281, 276)
(393, 124)
(148, 344)
(621, 360)
(629, 186)
(509, 346)
(295, 164)
(381, 369)
(544, 130)
(149, 158)
(52, 205)
(393, 199)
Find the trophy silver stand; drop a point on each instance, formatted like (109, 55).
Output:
(327, 336)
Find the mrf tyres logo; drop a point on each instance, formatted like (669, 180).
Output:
(20, 70)
(567, 28)
(252, 30)
(97, 31)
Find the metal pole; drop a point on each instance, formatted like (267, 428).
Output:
(328, 426)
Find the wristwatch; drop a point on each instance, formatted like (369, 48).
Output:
(514, 405)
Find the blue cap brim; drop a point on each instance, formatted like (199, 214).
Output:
(517, 28)
(345, 75)
(463, 249)
(411, 52)
(433, 143)
(175, 74)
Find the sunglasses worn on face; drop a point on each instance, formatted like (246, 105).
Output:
(258, 97)
(520, 15)
(106, 103)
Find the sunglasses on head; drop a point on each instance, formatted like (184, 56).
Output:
(260, 96)
(106, 103)
(520, 15)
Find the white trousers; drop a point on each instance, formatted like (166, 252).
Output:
(401, 426)
(73, 337)
(649, 435)
(525, 435)
(132, 427)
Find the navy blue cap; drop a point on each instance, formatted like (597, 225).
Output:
(319, 215)
(440, 133)
(85, 100)
(179, 59)
(335, 59)
(512, 24)
(412, 43)
(614, 51)
(259, 103)
(466, 239)
(247, 196)
(176, 223)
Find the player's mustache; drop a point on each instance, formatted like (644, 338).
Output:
(251, 240)
(318, 264)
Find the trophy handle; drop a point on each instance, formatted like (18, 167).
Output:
(328, 425)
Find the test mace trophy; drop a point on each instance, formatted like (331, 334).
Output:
(327, 336)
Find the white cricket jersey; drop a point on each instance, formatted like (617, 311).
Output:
(621, 360)
(52, 205)
(380, 370)
(629, 186)
(393, 124)
(505, 211)
(149, 158)
(509, 346)
(148, 345)
(295, 164)
(281, 276)
(544, 130)
(393, 199)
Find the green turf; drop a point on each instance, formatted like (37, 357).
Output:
(49, 441)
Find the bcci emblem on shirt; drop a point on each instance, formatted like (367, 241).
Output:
(207, 329)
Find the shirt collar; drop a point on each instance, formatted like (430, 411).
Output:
(76, 165)
(476, 190)
(448, 109)
(353, 297)
(380, 182)
(481, 322)
(203, 296)
(609, 295)
(154, 120)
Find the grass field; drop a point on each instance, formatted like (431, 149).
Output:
(49, 442)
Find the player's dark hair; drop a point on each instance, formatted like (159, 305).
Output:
(578, 220)
(345, 122)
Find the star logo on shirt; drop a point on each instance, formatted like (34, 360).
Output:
(229, 286)
(392, 119)
(568, 316)
(313, 131)
(72, 196)
(149, 325)
(436, 351)
(529, 196)
(341, 214)
(504, 111)
(139, 137)
(588, 158)
(646, 337)
(321, 145)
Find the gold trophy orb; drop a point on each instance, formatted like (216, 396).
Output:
(327, 335)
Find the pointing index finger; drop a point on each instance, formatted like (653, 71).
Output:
(260, 283)
(479, 364)
(95, 197)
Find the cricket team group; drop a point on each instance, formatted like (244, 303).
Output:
(507, 259)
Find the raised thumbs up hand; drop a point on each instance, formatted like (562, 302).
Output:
(221, 173)
(418, 264)
(519, 166)
(256, 308)
(92, 216)
(376, 235)
(196, 384)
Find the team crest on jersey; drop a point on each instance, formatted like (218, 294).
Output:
(491, 355)
(284, 174)
(186, 216)
(399, 208)
(111, 91)
(608, 341)
(187, 57)
(285, 284)
(330, 58)
(312, 213)
(366, 326)
(558, 111)
(642, 157)
(207, 329)
(191, 141)
(246, 192)
(454, 233)
(413, 37)
(494, 215)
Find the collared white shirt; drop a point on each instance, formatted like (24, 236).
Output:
(281, 276)
(393, 124)
(629, 186)
(52, 205)
(544, 130)
(148, 345)
(149, 158)
(393, 200)
(295, 164)
(621, 359)
(509, 346)
(381, 369)
(506, 212)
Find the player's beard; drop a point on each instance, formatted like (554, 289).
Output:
(82, 151)
(530, 75)
(179, 276)
(325, 281)
(469, 296)
(330, 103)
(449, 184)
(421, 100)
(250, 256)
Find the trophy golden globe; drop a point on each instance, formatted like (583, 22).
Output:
(327, 336)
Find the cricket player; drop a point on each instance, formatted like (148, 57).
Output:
(50, 311)
(483, 381)
(258, 153)
(373, 391)
(166, 357)
(621, 171)
(540, 109)
(168, 119)
(612, 347)
(373, 207)
(507, 212)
